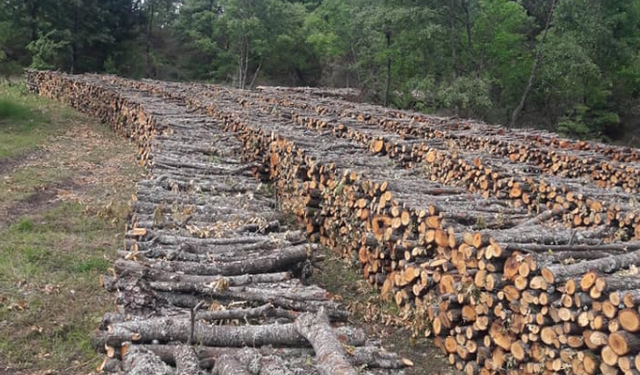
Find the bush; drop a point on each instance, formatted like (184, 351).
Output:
(49, 51)
(467, 96)
(10, 110)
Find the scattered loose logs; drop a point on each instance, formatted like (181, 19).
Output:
(509, 272)
(211, 279)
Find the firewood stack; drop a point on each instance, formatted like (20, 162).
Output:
(516, 251)
(211, 277)
(325, 92)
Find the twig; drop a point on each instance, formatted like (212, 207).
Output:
(193, 321)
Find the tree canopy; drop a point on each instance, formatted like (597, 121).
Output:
(565, 65)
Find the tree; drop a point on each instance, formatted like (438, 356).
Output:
(534, 67)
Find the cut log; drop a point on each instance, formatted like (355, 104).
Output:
(140, 361)
(228, 365)
(332, 360)
(623, 343)
(186, 361)
(606, 265)
(169, 329)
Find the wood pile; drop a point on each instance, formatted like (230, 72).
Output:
(513, 265)
(211, 278)
(327, 92)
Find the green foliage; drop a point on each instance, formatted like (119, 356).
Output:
(48, 50)
(469, 57)
(110, 66)
(90, 265)
(4, 36)
(24, 225)
(583, 122)
(466, 95)
(500, 33)
(12, 110)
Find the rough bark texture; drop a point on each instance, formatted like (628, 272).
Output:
(140, 361)
(186, 361)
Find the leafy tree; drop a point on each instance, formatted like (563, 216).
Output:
(575, 69)
(49, 50)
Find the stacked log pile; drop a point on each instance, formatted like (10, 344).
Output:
(325, 92)
(211, 277)
(482, 250)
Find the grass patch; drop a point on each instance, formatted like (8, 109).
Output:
(24, 225)
(49, 267)
(11, 110)
(26, 120)
(26, 180)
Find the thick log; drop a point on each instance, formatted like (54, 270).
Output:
(332, 360)
(607, 265)
(186, 361)
(170, 329)
(359, 356)
(228, 365)
(140, 361)
(279, 261)
(623, 343)
(127, 267)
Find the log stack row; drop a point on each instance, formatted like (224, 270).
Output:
(455, 161)
(503, 285)
(556, 183)
(211, 278)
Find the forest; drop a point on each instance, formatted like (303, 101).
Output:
(570, 66)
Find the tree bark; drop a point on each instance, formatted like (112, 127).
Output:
(228, 365)
(557, 273)
(369, 356)
(169, 329)
(283, 260)
(140, 361)
(186, 361)
(129, 267)
(387, 84)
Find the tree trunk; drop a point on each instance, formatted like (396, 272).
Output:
(465, 7)
(452, 39)
(255, 75)
(149, 72)
(534, 68)
(34, 20)
(74, 46)
(387, 84)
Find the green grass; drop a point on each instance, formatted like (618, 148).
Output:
(49, 265)
(26, 120)
(13, 111)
